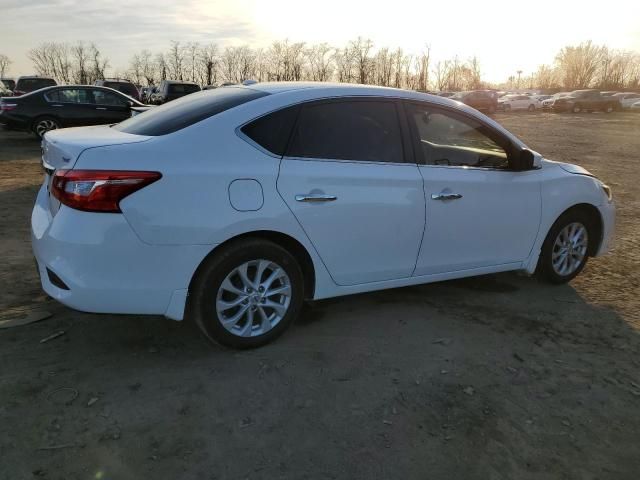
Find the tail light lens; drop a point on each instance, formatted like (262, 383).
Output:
(98, 190)
(5, 107)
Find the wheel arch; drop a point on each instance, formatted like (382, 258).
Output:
(37, 118)
(289, 243)
(594, 215)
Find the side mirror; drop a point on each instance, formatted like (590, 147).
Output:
(523, 160)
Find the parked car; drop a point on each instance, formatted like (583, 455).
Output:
(124, 86)
(547, 104)
(145, 93)
(169, 90)
(31, 84)
(635, 107)
(608, 93)
(9, 83)
(65, 106)
(232, 206)
(627, 99)
(585, 100)
(483, 100)
(517, 102)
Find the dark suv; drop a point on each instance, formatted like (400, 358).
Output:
(171, 89)
(483, 100)
(31, 84)
(122, 85)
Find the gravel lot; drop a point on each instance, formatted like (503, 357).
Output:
(497, 377)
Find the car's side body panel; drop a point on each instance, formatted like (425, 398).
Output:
(168, 228)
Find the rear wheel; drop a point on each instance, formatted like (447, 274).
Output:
(42, 125)
(565, 251)
(577, 108)
(532, 108)
(248, 294)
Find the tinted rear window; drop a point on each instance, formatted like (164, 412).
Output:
(181, 113)
(126, 88)
(182, 88)
(272, 131)
(31, 84)
(348, 130)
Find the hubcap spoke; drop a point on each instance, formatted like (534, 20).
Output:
(570, 249)
(247, 306)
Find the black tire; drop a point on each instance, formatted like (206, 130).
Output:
(532, 108)
(211, 274)
(544, 269)
(36, 126)
(577, 108)
(608, 108)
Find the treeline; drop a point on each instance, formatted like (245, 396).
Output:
(583, 66)
(209, 64)
(587, 66)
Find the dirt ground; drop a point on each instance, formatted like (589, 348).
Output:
(497, 377)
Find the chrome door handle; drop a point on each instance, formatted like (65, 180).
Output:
(315, 197)
(100, 108)
(445, 196)
(57, 105)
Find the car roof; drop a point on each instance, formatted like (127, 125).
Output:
(179, 82)
(28, 77)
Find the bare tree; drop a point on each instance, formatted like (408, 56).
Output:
(209, 61)
(175, 61)
(361, 48)
(422, 67)
(320, 62)
(5, 63)
(578, 65)
(191, 50)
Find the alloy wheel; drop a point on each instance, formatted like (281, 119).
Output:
(43, 126)
(253, 298)
(569, 249)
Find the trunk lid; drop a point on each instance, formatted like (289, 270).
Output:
(62, 148)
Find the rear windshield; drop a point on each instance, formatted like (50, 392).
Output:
(31, 84)
(126, 88)
(184, 88)
(185, 111)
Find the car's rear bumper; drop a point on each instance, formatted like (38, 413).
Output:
(105, 267)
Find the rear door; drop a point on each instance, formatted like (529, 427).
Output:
(71, 106)
(346, 179)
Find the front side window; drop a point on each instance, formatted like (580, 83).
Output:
(362, 130)
(108, 98)
(452, 140)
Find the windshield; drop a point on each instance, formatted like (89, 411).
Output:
(187, 110)
(126, 88)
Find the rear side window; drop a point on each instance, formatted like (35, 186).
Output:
(272, 131)
(31, 84)
(186, 111)
(177, 88)
(365, 130)
(126, 88)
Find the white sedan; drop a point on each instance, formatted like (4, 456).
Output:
(518, 102)
(232, 206)
(627, 99)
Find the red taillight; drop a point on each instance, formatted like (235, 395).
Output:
(5, 107)
(17, 93)
(98, 190)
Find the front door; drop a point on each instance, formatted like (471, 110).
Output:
(110, 107)
(346, 180)
(480, 213)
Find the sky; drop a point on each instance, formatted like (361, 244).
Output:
(504, 35)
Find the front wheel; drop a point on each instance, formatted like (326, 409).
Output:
(248, 294)
(565, 251)
(44, 124)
